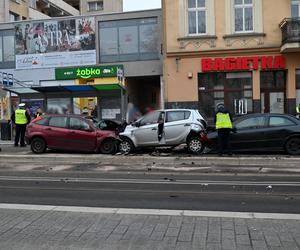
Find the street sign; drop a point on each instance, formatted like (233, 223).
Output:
(87, 72)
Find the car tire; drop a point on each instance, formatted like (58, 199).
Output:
(126, 146)
(108, 147)
(195, 145)
(292, 146)
(38, 145)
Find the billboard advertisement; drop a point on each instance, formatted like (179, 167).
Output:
(55, 43)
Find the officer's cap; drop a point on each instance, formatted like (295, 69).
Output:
(22, 105)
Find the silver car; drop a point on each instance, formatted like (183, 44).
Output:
(170, 127)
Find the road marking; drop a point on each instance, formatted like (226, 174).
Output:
(103, 210)
(168, 181)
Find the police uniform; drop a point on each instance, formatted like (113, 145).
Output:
(21, 118)
(224, 126)
(298, 111)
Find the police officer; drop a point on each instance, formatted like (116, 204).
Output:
(21, 118)
(298, 111)
(223, 121)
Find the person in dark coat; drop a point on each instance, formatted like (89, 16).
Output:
(223, 121)
(20, 118)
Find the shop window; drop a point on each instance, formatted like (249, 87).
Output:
(7, 49)
(197, 13)
(95, 6)
(233, 89)
(243, 15)
(295, 8)
(272, 80)
(129, 40)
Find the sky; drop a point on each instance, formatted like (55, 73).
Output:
(130, 5)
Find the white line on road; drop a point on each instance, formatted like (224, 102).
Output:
(103, 210)
(151, 181)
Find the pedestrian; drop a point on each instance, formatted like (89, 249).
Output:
(20, 118)
(298, 111)
(223, 121)
(38, 113)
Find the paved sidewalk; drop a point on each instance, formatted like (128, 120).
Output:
(63, 229)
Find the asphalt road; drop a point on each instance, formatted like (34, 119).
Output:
(241, 193)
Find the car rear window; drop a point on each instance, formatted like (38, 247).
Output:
(173, 116)
(276, 121)
(59, 121)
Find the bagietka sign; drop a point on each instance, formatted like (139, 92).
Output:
(243, 63)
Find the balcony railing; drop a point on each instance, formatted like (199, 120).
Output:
(290, 28)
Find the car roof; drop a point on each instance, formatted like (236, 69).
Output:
(176, 110)
(267, 115)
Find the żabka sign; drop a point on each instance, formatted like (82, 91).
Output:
(243, 63)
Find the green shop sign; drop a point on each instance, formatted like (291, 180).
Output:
(89, 72)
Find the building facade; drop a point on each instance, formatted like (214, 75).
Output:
(245, 53)
(99, 61)
(100, 6)
(17, 10)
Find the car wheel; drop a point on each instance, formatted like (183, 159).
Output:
(126, 146)
(195, 145)
(108, 147)
(38, 145)
(292, 146)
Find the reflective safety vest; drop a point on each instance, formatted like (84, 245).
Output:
(298, 109)
(20, 117)
(223, 121)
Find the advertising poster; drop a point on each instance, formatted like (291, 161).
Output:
(55, 43)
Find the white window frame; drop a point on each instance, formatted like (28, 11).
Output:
(196, 9)
(243, 6)
(296, 2)
(97, 4)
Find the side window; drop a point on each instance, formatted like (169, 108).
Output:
(253, 122)
(280, 121)
(151, 118)
(173, 116)
(43, 121)
(59, 122)
(78, 124)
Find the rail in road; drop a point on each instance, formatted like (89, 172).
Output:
(156, 192)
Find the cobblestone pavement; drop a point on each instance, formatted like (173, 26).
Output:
(30, 229)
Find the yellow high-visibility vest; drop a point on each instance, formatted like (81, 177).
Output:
(20, 117)
(297, 109)
(223, 121)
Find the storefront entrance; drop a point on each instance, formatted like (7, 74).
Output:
(144, 92)
(272, 85)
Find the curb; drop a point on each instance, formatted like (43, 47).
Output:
(160, 212)
(193, 161)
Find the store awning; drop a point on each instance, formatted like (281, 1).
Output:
(67, 91)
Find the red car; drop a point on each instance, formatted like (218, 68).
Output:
(70, 133)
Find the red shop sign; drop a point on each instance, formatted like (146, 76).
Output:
(243, 63)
